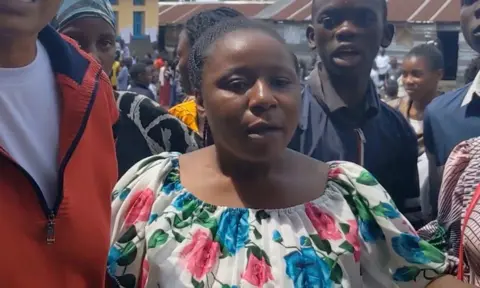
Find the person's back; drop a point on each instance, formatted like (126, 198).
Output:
(57, 157)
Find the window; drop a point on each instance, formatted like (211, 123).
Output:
(138, 24)
(139, 2)
(114, 2)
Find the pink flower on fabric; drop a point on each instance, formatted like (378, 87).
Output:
(333, 173)
(353, 238)
(257, 272)
(140, 207)
(324, 224)
(201, 254)
(144, 276)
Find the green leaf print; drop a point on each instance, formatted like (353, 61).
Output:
(124, 193)
(432, 253)
(128, 235)
(366, 178)
(406, 274)
(210, 208)
(323, 245)
(188, 209)
(179, 223)
(225, 252)
(345, 228)
(347, 247)
(197, 284)
(256, 233)
(329, 261)
(203, 216)
(129, 253)
(361, 208)
(257, 252)
(267, 259)
(226, 286)
(178, 237)
(158, 238)
(336, 274)
(261, 215)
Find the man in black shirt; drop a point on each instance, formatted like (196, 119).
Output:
(342, 116)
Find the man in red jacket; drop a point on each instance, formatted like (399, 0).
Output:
(57, 158)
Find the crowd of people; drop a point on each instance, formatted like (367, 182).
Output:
(258, 175)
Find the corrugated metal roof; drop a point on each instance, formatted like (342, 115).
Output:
(178, 13)
(398, 11)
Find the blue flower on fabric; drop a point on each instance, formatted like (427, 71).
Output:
(233, 229)
(408, 247)
(113, 255)
(152, 218)
(183, 200)
(306, 269)
(171, 183)
(389, 211)
(277, 237)
(370, 230)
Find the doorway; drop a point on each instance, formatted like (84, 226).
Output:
(449, 47)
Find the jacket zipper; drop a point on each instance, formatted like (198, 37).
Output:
(51, 214)
(361, 146)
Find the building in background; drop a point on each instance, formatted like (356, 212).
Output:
(416, 22)
(136, 19)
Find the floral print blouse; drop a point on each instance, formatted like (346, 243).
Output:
(351, 236)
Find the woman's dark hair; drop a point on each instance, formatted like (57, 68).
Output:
(431, 53)
(472, 70)
(204, 20)
(200, 51)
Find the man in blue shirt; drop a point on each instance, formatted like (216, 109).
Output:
(342, 117)
(454, 116)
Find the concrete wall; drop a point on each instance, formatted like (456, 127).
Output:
(125, 9)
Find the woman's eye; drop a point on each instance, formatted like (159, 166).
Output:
(327, 22)
(238, 86)
(280, 82)
(106, 43)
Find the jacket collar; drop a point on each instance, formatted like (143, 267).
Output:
(64, 56)
(323, 91)
(78, 78)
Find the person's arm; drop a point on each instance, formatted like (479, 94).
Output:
(391, 253)
(133, 199)
(406, 188)
(434, 172)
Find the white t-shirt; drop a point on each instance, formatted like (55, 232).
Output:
(29, 120)
(383, 64)
(416, 124)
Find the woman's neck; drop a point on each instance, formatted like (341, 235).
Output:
(17, 52)
(241, 170)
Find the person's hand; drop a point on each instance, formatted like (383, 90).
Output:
(448, 281)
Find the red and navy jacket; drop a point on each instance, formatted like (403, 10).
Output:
(66, 246)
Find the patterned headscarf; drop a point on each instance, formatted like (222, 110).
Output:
(75, 9)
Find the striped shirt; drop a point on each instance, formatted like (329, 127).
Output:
(460, 179)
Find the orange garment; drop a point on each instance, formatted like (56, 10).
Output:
(187, 112)
(78, 228)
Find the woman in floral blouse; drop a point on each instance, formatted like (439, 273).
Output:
(248, 212)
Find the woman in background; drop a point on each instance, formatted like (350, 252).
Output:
(422, 71)
(144, 128)
(187, 110)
